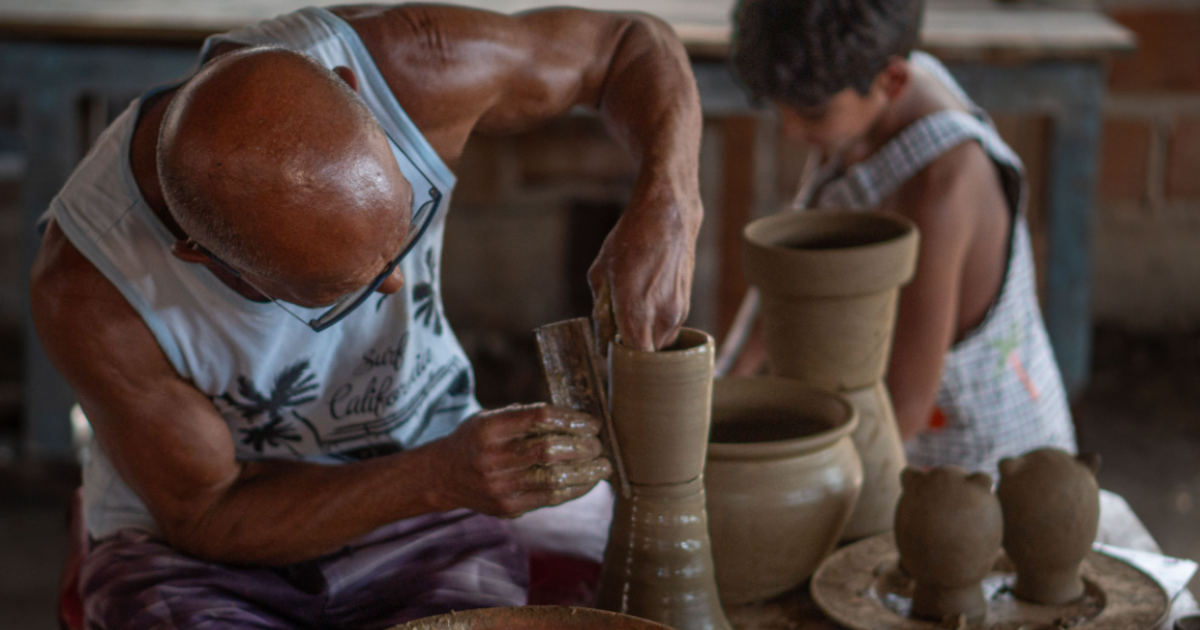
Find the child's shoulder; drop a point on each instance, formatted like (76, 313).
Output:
(962, 177)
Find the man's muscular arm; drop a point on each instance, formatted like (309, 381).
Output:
(169, 444)
(456, 71)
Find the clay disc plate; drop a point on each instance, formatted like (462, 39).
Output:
(859, 587)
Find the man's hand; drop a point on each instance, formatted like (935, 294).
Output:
(642, 278)
(512, 460)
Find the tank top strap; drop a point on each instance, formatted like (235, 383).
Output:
(866, 184)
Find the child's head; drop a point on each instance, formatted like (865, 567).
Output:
(831, 65)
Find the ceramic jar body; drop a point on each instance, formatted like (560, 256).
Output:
(782, 479)
(948, 531)
(658, 564)
(828, 284)
(1051, 513)
(877, 440)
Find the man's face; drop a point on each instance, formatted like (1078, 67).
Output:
(843, 120)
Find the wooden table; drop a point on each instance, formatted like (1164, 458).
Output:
(59, 54)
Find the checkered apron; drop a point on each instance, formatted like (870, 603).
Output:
(1001, 393)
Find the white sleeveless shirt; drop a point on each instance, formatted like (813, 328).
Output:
(389, 377)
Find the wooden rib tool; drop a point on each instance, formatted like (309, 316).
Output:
(573, 372)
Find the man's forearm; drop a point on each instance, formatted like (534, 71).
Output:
(649, 100)
(280, 512)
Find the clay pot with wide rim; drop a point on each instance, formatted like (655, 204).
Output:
(782, 479)
(829, 283)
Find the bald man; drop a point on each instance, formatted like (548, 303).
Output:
(241, 283)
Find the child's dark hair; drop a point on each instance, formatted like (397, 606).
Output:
(803, 52)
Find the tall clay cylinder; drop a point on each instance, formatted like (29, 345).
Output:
(662, 408)
(828, 283)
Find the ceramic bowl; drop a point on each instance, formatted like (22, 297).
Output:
(782, 478)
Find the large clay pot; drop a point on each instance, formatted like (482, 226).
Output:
(829, 283)
(1051, 512)
(661, 408)
(782, 478)
(948, 532)
(658, 564)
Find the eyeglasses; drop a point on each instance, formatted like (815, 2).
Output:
(423, 217)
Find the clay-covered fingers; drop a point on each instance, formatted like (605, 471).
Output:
(544, 486)
(568, 475)
(507, 461)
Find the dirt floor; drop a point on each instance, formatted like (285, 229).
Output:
(1141, 413)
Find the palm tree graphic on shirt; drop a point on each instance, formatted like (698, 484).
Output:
(425, 296)
(291, 389)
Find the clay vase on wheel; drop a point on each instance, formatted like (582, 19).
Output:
(782, 478)
(1051, 513)
(828, 284)
(658, 564)
(948, 532)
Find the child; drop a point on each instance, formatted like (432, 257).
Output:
(972, 376)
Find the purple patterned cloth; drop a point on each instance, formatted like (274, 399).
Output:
(412, 568)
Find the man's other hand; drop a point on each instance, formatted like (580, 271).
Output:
(642, 278)
(508, 461)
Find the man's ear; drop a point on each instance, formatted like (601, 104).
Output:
(895, 77)
(348, 76)
(188, 251)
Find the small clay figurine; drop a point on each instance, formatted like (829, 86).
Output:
(1051, 511)
(948, 531)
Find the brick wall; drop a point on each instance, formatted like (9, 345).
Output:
(1147, 238)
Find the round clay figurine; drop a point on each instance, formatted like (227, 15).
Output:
(948, 531)
(1051, 511)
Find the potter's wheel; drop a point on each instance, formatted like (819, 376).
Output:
(859, 587)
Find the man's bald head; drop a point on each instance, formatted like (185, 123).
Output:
(270, 161)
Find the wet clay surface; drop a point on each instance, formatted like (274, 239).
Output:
(662, 408)
(860, 587)
(658, 564)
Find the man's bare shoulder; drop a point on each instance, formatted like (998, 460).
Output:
(81, 317)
